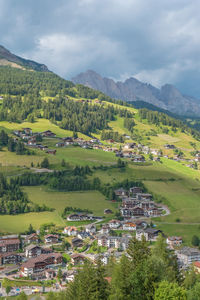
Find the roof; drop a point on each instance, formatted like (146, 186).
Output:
(108, 279)
(70, 228)
(5, 242)
(30, 247)
(152, 230)
(120, 190)
(74, 240)
(130, 224)
(74, 256)
(41, 258)
(175, 238)
(9, 254)
(197, 264)
(89, 226)
(114, 221)
(51, 235)
(31, 236)
(189, 251)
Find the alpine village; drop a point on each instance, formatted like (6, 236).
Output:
(99, 198)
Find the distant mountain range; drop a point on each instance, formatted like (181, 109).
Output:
(9, 59)
(168, 97)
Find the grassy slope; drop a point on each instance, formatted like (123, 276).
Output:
(182, 194)
(58, 200)
(39, 126)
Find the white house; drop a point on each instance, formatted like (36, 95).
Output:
(174, 241)
(114, 224)
(91, 228)
(70, 230)
(129, 226)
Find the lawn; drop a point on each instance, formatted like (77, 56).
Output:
(179, 168)
(183, 230)
(71, 154)
(10, 159)
(20, 223)
(38, 126)
(92, 200)
(183, 198)
(152, 171)
(80, 156)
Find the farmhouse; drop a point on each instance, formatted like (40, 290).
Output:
(129, 146)
(53, 152)
(174, 241)
(60, 144)
(48, 133)
(107, 211)
(135, 190)
(76, 242)
(83, 235)
(104, 258)
(120, 192)
(127, 154)
(80, 217)
(138, 158)
(129, 226)
(114, 224)
(143, 196)
(32, 238)
(70, 230)
(196, 265)
(51, 239)
(91, 228)
(33, 251)
(68, 140)
(105, 229)
(77, 259)
(150, 234)
(168, 146)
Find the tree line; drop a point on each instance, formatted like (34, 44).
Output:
(75, 179)
(14, 201)
(158, 118)
(12, 145)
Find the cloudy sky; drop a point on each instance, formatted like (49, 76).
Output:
(154, 41)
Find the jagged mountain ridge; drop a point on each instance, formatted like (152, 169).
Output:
(168, 97)
(9, 59)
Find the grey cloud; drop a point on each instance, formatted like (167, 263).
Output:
(156, 41)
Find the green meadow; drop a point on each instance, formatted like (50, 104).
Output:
(178, 184)
(92, 200)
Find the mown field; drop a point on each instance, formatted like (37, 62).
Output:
(92, 200)
(71, 155)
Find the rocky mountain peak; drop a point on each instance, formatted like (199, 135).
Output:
(168, 97)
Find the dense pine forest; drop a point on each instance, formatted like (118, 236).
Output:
(24, 101)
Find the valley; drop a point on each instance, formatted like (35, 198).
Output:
(171, 180)
(70, 159)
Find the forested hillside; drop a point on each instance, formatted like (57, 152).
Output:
(106, 137)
